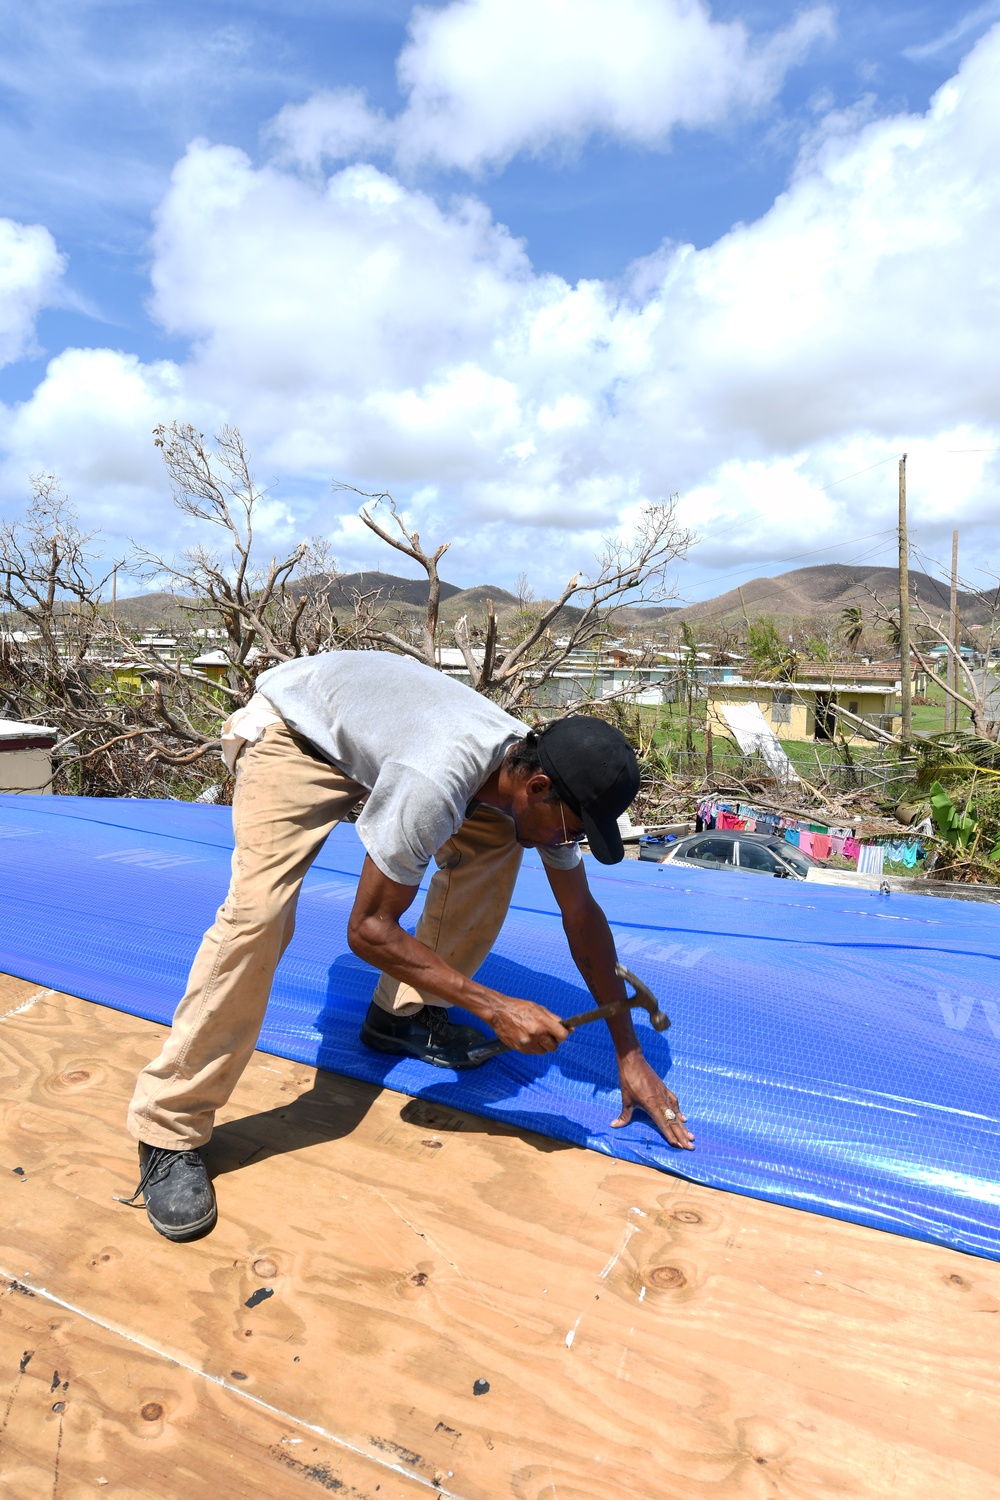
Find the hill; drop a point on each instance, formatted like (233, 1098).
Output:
(406, 596)
(826, 589)
(157, 611)
(389, 585)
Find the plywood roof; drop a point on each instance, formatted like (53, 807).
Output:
(642, 1338)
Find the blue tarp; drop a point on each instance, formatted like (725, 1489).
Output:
(833, 1049)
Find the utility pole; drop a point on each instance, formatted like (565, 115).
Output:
(905, 685)
(951, 717)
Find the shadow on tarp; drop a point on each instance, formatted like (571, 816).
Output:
(832, 1050)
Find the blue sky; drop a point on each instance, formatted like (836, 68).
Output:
(546, 354)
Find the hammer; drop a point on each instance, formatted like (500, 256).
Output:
(643, 998)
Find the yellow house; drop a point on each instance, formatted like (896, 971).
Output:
(807, 707)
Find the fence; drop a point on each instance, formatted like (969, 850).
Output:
(876, 776)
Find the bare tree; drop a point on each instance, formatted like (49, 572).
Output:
(47, 576)
(215, 484)
(69, 660)
(407, 541)
(976, 695)
(586, 609)
(58, 661)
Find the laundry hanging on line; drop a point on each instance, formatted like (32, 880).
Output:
(821, 841)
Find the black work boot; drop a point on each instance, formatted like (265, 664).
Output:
(179, 1197)
(427, 1035)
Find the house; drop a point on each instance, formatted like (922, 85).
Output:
(214, 665)
(806, 708)
(26, 757)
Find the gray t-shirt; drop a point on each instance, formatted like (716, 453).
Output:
(420, 742)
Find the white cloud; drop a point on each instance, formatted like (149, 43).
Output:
(964, 27)
(332, 125)
(30, 270)
(486, 79)
(358, 329)
(90, 422)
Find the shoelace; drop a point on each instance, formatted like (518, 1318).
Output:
(438, 1024)
(160, 1159)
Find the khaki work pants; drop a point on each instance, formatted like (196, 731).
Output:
(287, 800)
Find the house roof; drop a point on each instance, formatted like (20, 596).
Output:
(828, 685)
(17, 729)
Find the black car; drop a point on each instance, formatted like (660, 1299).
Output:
(722, 849)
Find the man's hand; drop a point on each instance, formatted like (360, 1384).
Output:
(374, 934)
(643, 1089)
(524, 1026)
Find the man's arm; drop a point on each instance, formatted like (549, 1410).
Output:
(593, 949)
(374, 934)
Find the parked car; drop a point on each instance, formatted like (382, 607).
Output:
(763, 853)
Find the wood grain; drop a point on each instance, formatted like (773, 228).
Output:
(641, 1336)
(85, 1412)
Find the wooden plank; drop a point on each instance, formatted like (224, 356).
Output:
(85, 1411)
(641, 1336)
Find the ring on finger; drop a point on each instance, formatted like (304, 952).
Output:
(671, 1114)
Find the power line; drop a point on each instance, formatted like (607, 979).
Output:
(830, 547)
(772, 593)
(857, 472)
(749, 514)
(966, 583)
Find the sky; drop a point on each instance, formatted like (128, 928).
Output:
(529, 265)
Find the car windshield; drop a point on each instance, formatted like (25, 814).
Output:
(800, 863)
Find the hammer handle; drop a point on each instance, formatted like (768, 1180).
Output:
(601, 1013)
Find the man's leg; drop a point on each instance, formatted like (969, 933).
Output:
(465, 908)
(287, 800)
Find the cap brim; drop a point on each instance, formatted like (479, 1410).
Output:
(604, 838)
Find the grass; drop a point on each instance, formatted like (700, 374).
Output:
(930, 718)
(670, 722)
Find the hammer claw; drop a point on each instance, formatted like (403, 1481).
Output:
(643, 996)
(643, 999)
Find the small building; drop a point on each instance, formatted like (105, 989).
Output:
(806, 708)
(26, 757)
(212, 664)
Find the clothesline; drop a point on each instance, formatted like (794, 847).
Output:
(820, 840)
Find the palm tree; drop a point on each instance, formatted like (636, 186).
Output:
(852, 624)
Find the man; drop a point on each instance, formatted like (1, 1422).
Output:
(444, 775)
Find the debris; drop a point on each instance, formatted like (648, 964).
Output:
(480, 1387)
(259, 1296)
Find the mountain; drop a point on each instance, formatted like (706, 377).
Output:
(476, 597)
(826, 589)
(389, 585)
(153, 611)
(408, 595)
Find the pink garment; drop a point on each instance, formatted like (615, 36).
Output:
(729, 820)
(837, 843)
(822, 844)
(851, 848)
(806, 841)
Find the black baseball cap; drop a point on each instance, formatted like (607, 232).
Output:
(593, 768)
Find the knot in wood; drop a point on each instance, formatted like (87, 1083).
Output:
(667, 1277)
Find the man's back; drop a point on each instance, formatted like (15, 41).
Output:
(420, 742)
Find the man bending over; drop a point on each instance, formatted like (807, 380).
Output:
(446, 775)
